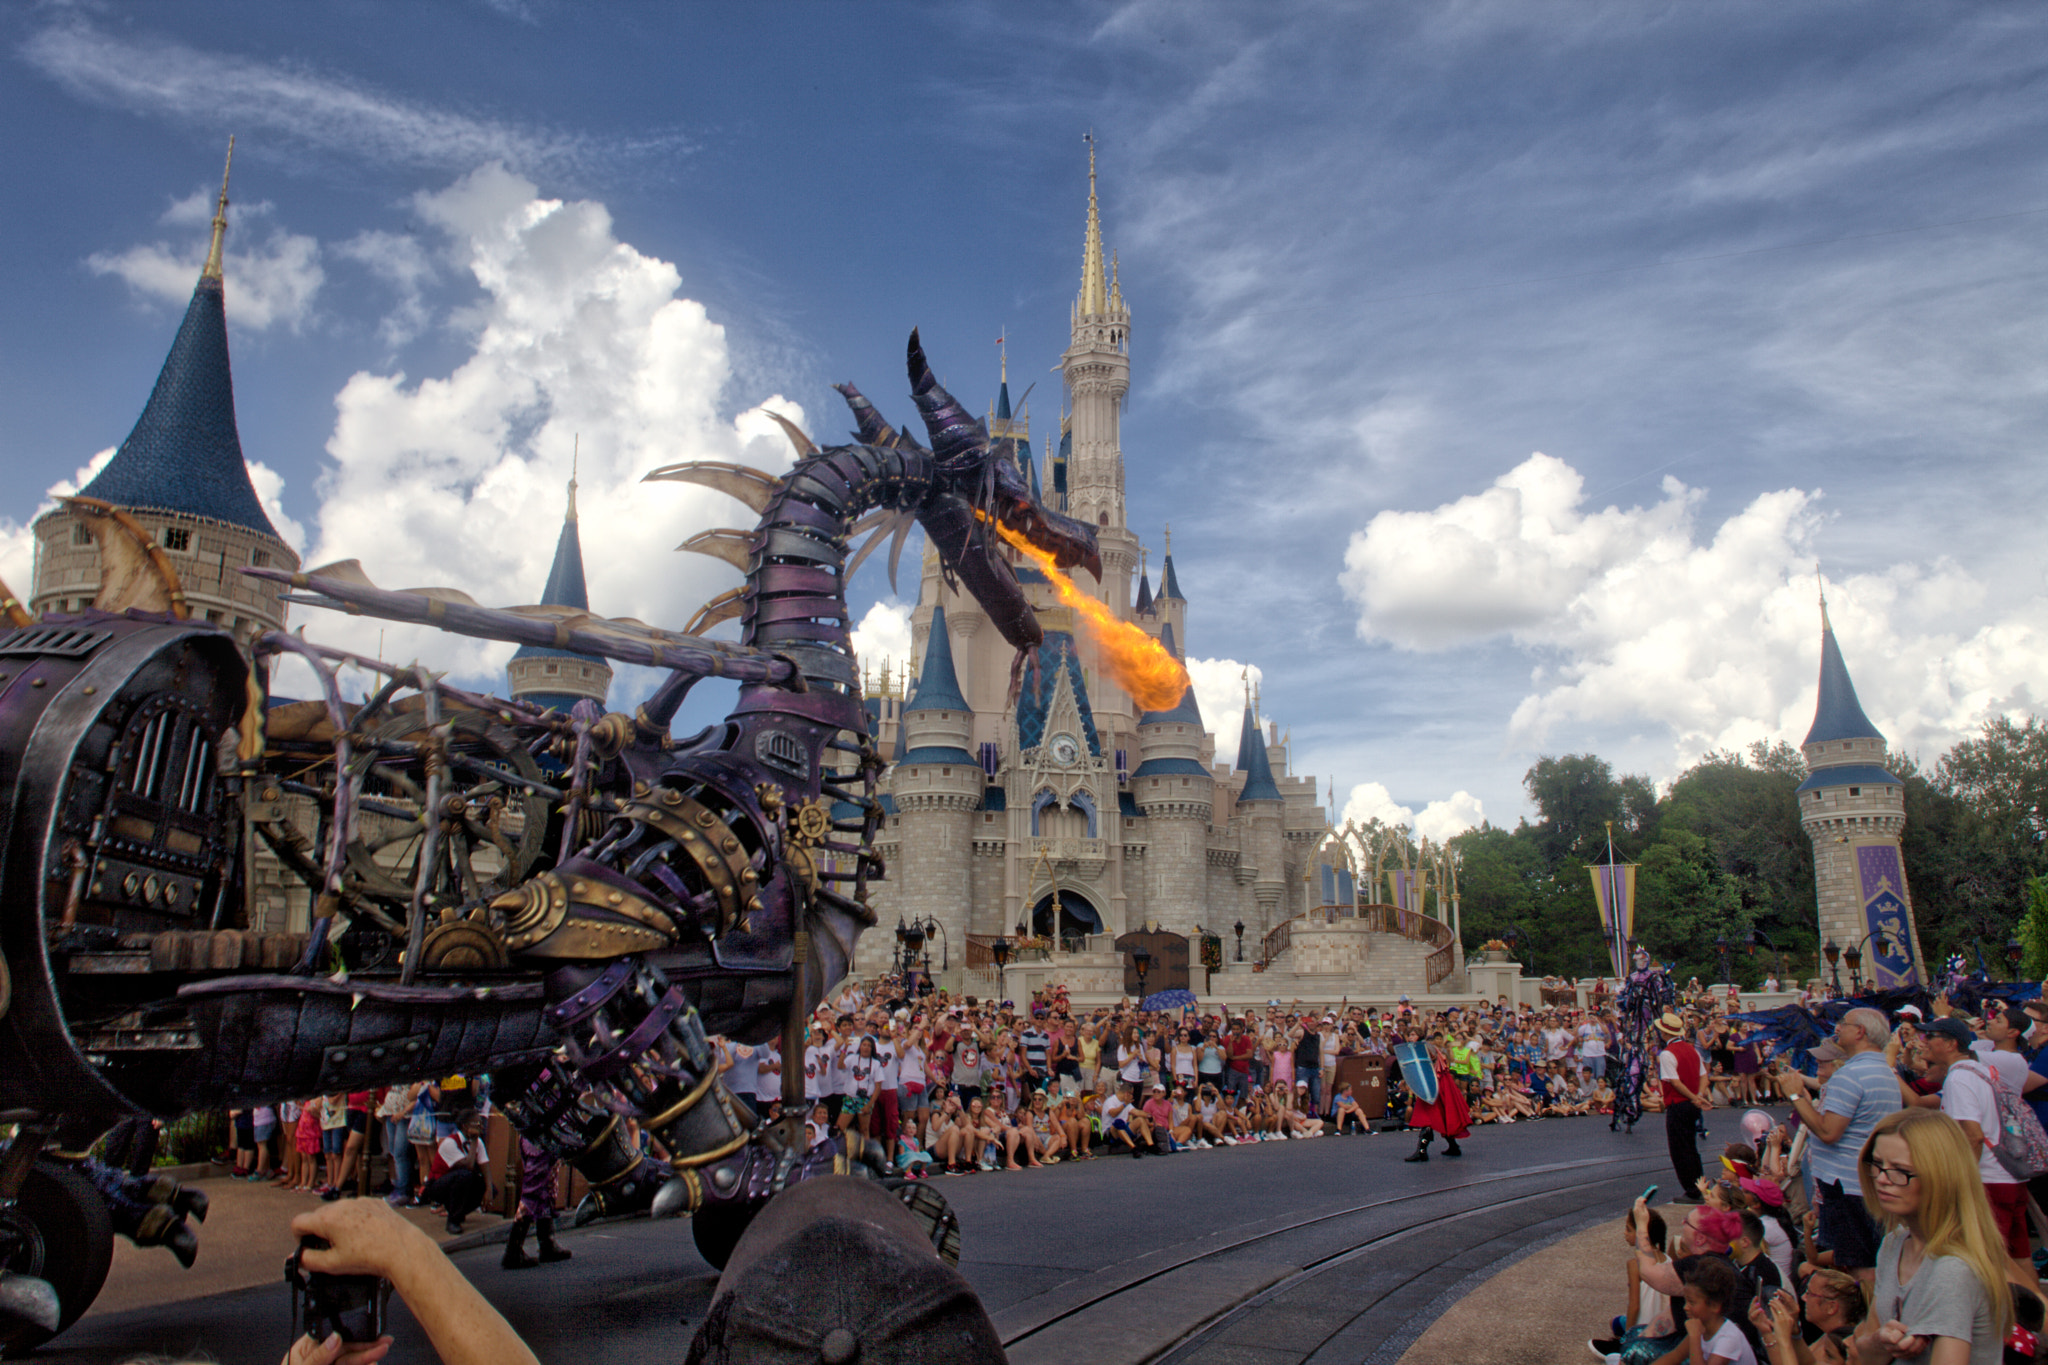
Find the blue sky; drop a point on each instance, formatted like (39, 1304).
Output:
(1502, 369)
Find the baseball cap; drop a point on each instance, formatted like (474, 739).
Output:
(1912, 1011)
(1158, 1089)
(1828, 1051)
(1301, 1085)
(1952, 1029)
(2036, 1010)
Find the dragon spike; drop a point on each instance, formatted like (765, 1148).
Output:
(872, 429)
(904, 524)
(734, 547)
(724, 607)
(750, 486)
(805, 446)
(957, 435)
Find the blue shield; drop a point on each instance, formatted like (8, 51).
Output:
(1418, 1070)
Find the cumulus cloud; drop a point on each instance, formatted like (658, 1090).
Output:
(459, 479)
(1439, 820)
(155, 76)
(883, 636)
(401, 262)
(1642, 615)
(1219, 691)
(272, 282)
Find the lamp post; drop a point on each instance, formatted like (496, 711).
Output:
(902, 946)
(1142, 960)
(1239, 926)
(1721, 945)
(1513, 938)
(931, 927)
(2015, 952)
(1853, 955)
(1833, 955)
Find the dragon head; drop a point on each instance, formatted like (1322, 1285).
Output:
(977, 485)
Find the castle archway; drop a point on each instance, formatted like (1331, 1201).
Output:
(1075, 915)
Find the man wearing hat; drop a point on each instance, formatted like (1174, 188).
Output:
(1860, 1092)
(1679, 1076)
(1969, 1096)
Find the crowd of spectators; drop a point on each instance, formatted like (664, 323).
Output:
(1886, 1219)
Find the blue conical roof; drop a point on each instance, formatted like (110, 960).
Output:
(1003, 402)
(1144, 594)
(938, 687)
(565, 586)
(1186, 712)
(1169, 583)
(185, 454)
(1838, 715)
(1253, 763)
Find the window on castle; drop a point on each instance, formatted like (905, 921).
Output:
(945, 772)
(259, 558)
(214, 617)
(81, 535)
(551, 669)
(1183, 781)
(177, 538)
(1102, 519)
(1855, 791)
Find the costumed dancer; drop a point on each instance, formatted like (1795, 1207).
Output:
(1643, 998)
(536, 1209)
(1438, 1105)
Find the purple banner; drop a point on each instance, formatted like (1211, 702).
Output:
(1407, 894)
(1889, 953)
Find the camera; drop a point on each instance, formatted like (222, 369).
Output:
(323, 1305)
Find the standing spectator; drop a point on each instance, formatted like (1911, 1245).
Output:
(333, 1140)
(355, 1119)
(394, 1112)
(1860, 1093)
(1680, 1075)
(422, 1132)
(1969, 1095)
(536, 1209)
(1240, 1046)
(1940, 1279)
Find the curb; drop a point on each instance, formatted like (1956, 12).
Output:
(502, 1231)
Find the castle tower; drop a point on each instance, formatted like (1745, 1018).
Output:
(1097, 370)
(555, 678)
(1259, 815)
(1169, 606)
(1176, 794)
(937, 788)
(1854, 810)
(181, 474)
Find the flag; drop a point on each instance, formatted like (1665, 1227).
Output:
(1614, 888)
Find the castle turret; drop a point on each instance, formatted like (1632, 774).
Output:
(1262, 848)
(556, 678)
(181, 475)
(1176, 794)
(1169, 606)
(936, 786)
(1854, 810)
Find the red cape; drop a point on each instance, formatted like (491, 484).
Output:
(1449, 1115)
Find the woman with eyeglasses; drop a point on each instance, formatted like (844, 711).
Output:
(1941, 1268)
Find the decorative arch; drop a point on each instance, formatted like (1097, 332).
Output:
(1046, 797)
(1085, 803)
(1077, 914)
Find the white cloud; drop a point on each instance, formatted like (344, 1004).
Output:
(1219, 691)
(1371, 801)
(883, 636)
(289, 102)
(400, 261)
(1634, 616)
(1440, 820)
(269, 283)
(458, 479)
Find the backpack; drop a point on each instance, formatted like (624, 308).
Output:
(2022, 1145)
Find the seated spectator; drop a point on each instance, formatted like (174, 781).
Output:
(1347, 1112)
(368, 1237)
(1159, 1116)
(1647, 1330)
(1713, 1225)
(1073, 1119)
(1123, 1122)
(1714, 1339)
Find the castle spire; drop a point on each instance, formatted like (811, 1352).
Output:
(1169, 582)
(1253, 762)
(212, 269)
(938, 687)
(1837, 714)
(1094, 292)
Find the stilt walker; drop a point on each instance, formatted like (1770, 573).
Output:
(536, 1209)
(1439, 1105)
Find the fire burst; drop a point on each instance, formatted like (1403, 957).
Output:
(1133, 660)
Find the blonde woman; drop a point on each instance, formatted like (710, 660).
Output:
(1941, 1294)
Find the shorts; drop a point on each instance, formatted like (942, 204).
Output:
(264, 1130)
(245, 1130)
(2009, 1211)
(359, 1120)
(1846, 1227)
(914, 1097)
(852, 1106)
(333, 1140)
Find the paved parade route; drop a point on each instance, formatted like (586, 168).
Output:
(1325, 1250)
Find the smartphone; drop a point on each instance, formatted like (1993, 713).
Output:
(323, 1305)
(1647, 1195)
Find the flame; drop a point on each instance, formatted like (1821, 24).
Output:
(1134, 661)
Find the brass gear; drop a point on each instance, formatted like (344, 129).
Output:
(811, 821)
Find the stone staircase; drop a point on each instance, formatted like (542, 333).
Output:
(1393, 966)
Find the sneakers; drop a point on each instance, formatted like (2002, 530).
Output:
(1229, 1141)
(1603, 1348)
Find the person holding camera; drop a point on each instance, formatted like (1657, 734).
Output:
(368, 1237)
(460, 1179)
(1861, 1092)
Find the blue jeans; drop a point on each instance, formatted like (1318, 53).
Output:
(402, 1162)
(1314, 1076)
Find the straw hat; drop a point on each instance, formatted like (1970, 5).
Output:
(1670, 1025)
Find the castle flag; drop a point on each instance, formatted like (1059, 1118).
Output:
(1614, 887)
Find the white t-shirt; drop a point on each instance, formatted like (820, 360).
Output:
(1667, 1066)
(910, 1068)
(1728, 1344)
(743, 1077)
(2010, 1065)
(768, 1072)
(452, 1151)
(817, 1064)
(1593, 1045)
(888, 1073)
(1555, 1041)
(1966, 1096)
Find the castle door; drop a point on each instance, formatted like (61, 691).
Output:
(1076, 917)
(1168, 969)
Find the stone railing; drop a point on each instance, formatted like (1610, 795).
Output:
(1379, 919)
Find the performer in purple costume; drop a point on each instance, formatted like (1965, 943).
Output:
(536, 1209)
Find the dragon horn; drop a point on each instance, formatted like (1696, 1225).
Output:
(805, 446)
(873, 430)
(957, 434)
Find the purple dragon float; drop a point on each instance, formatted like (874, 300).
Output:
(577, 936)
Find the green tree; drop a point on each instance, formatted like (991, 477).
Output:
(2033, 931)
(1747, 810)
